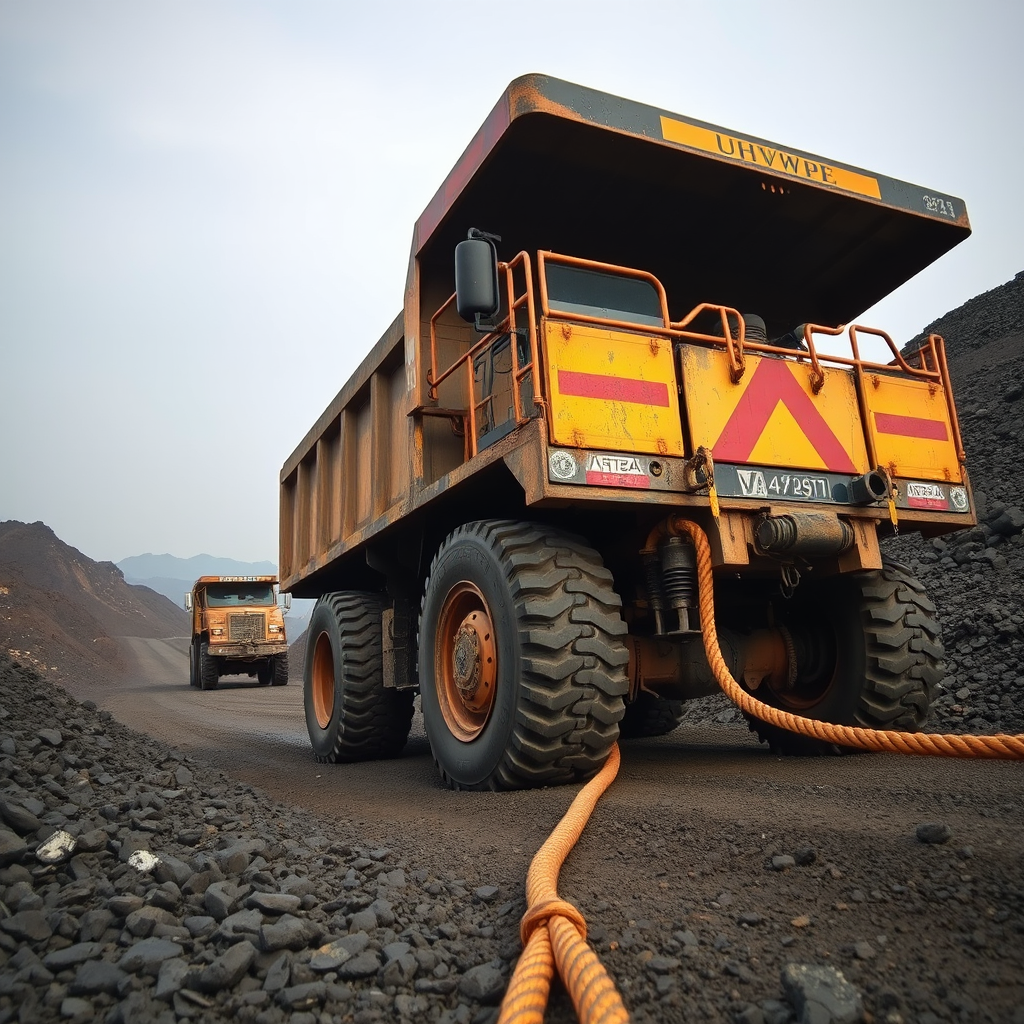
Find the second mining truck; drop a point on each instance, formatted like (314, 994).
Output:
(617, 317)
(237, 629)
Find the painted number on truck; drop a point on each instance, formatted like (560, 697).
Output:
(755, 484)
(936, 204)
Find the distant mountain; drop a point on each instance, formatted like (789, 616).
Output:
(170, 566)
(173, 577)
(60, 611)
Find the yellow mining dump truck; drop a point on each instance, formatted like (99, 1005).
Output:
(616, 316)
(237, 629)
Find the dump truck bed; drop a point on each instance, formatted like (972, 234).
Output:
(713, 215)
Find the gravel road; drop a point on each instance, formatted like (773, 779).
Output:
(710, 873)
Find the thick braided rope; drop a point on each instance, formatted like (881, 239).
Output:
(554, 932)
(945, 745)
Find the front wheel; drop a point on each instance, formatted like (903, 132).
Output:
(868, 652)
(279, 669)
(521, 663)
(350, 714)
(208, 671)
(193, 664)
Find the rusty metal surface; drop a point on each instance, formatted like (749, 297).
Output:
(542, 94)
(381, 456)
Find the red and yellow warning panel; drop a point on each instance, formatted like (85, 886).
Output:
(612, 390)
(910, 428)
(772, 416)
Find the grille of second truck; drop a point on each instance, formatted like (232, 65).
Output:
(246, 628)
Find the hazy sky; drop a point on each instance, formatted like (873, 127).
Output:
(206, 207)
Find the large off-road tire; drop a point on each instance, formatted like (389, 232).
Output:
(193, 664)
(264, 672)
(208, 673)
(868, 652)
(521, 663)
(279, 669)
(350, 714)
(649, 715)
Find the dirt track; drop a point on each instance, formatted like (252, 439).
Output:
(683, 842)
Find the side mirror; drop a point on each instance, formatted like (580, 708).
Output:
(286, 601)
(476, 276)
(188, 602)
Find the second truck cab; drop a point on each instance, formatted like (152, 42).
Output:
(237, 629)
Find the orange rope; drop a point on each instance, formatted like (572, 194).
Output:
(946, 745)
(554, 932)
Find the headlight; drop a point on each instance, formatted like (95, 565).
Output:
(275, 629)
(217, 632)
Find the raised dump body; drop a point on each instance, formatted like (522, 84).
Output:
(649, 323)
(237, 629)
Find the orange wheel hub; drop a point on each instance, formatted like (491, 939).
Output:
(323, 681)
(465, 662)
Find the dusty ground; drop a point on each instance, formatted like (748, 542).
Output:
(678, 861)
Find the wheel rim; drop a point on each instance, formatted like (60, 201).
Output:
(465, 662)
(323, 681)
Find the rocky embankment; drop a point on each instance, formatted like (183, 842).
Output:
(62, 613)
(138, 885)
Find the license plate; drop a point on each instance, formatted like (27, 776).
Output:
(779, 485)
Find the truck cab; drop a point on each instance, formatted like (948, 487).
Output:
(237, 629)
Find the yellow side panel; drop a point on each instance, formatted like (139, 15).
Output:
(910, 425)
(610, 389)
(772, 416)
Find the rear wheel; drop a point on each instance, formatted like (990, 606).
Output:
(649, 715)
(868, 652)
(279, 669)
(208, 670)
(350, 714)
(521, 662)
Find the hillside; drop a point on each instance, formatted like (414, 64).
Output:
(60, 611)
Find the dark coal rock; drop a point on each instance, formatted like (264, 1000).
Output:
(135, 913)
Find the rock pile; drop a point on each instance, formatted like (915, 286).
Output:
(976, 576)
(137, 885)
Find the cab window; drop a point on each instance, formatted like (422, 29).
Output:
(601, 294)
(233, 595)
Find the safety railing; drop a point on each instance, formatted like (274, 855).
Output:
(545, 257)
(930, 357)
(521, 303)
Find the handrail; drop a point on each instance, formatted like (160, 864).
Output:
(931, 355)
(734, 347)
(545, 255)
(506, 326)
